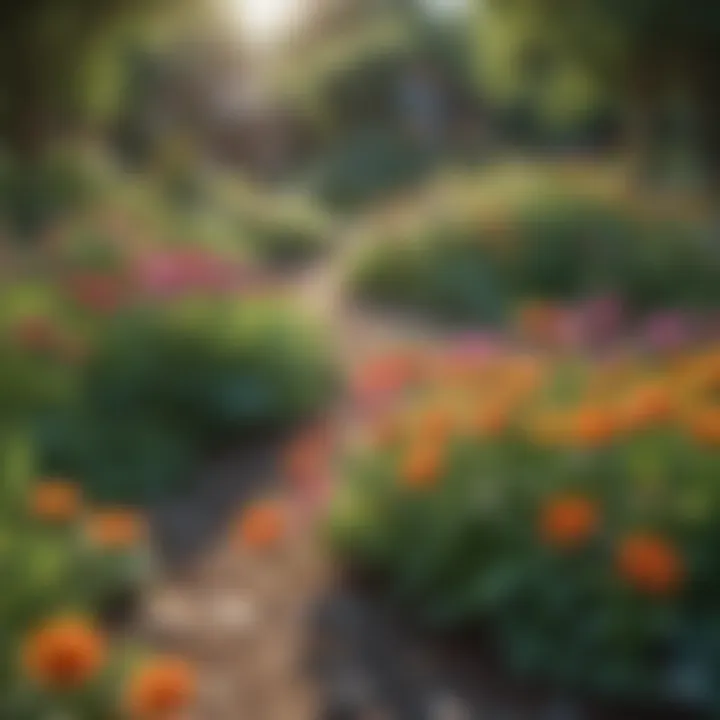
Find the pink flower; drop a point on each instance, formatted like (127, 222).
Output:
(168, 273)
(599, 320)
(667, 331)
(475, 347)
(382, 378)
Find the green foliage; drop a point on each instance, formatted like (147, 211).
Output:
(499, 240)
(469, 546)
(35, 195)
(51, 569)
(167, 384)
(349, 74)
(368, 165)
(280, 229)
(36, 370)
(188, 203)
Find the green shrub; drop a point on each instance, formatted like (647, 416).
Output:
(34, 196)
(167, 384)
(368, 165)
(283, 230)
(498, 242)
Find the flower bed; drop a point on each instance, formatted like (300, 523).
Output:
(62, 562)
(568, 507)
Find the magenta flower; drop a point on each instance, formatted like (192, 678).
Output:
(667, 331)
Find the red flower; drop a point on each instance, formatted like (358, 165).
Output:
(37, 334)
(384, 377)
(568, 521)
(98, 292)
(262, 525)
(651, 564)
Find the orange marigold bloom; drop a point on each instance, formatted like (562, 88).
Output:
(436, 424)
(56, 501)
(492, 421)
(650, 563)
(569, 520)
(523, 376)
(593, 426)
(160, 689)
(423, 465)
(117, 529)
(648, 405)
(262, 525)
(703, 425)
(64, 654)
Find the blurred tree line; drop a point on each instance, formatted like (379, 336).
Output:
(347, 84)
(654, 61)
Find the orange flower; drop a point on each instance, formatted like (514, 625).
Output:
(649, 404)
(117, 529)
(650, 564)
(307, 456)
(64, 654)
(423, 465)
(703, 425)
(593, 426)
(523, 375)
(56, 501)
(549, 427)
(436, 424)
(160, 689)
(387, 430)
(568, 521)
(700, 374)
(491, 421)
(262, 525)
(539, 321)
(385, 375)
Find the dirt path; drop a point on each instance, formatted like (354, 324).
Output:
(257, 628)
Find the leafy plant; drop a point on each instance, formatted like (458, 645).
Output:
(571, 509)
(168, 382)
(480, 247)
